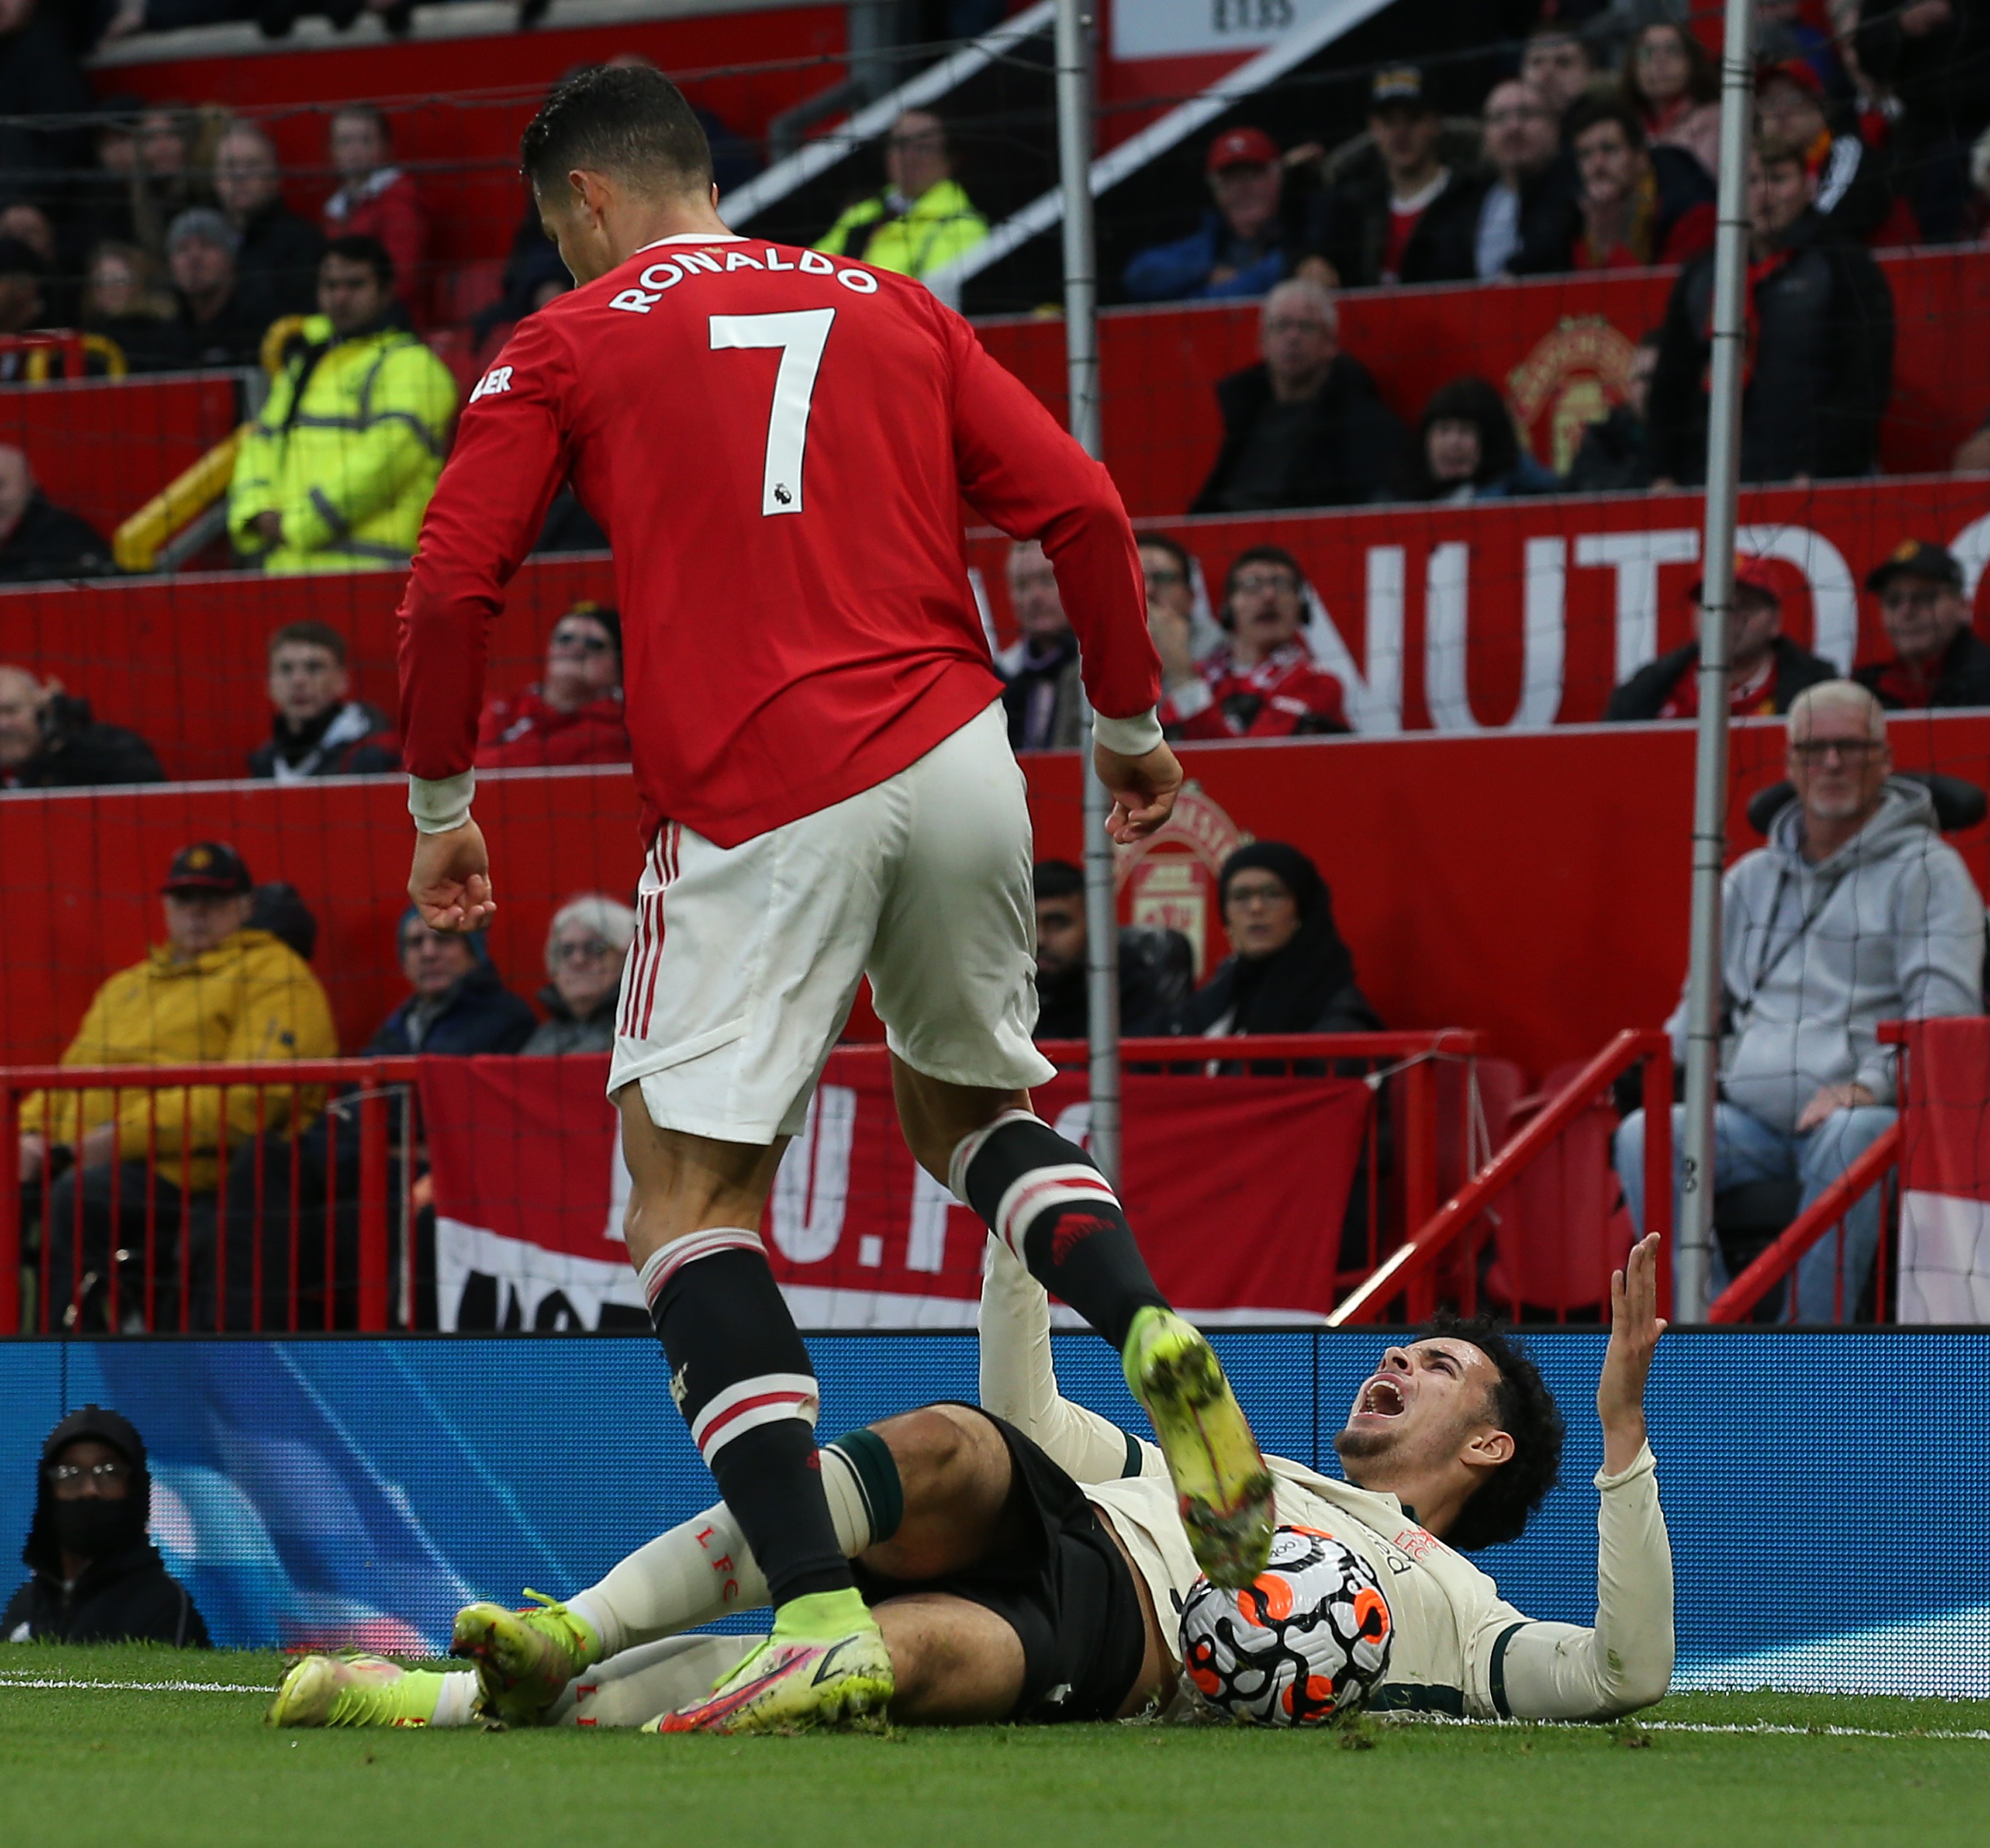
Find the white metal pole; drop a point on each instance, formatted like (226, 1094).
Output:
(1080, 334)
(1709, 793)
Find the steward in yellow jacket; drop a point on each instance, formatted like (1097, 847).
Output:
(923, 219)
(212, 992)
(336, 473)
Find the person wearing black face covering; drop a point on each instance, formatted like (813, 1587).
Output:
(1289, 971)
(93, 1575)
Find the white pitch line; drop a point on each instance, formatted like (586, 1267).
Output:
(137, 1688)
(1761, 1727)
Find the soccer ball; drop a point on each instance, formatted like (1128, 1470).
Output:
(1305, 1641)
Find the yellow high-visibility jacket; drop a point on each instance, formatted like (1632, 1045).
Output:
(250, 997)
(348, 449)
(941, 225)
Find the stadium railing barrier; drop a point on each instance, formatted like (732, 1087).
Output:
(152, 1280)
(1411, 1276)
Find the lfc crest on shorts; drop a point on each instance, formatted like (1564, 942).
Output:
(1169, 880)
(1574, 377)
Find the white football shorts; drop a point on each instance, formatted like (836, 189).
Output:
(747, 958)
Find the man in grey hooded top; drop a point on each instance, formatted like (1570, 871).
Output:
(1856, 912)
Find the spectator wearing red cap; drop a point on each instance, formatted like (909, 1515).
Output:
(1766, 670)
(1406, 216)
(1819, 358)
(1241, 247)
(1263, 682)
(1854, 192)
(214, 990)
(573, 712)
(1938, 660)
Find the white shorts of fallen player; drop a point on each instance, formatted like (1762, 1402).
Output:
(747, 958)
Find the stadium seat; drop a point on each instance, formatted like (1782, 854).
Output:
(1562, 1228)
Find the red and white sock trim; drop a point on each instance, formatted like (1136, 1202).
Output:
(1043, 1187)
(752, 1403)
(970, 1146)
(665, 1262)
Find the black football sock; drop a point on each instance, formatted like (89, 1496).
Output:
(742, 1380)
(1045, 1199)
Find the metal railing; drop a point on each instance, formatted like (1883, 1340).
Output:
(1410, 1276)
(144, 1253)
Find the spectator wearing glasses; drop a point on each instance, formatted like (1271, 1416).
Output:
(586, 944)
(457, 1004)
(1938, 660)
(1530, 189)
(317, 729)
(1241, 247)
(573, 712)
(1306, 426)
(1264, 684)
(1855, 911)
(923, 219)
(1289, 969)
(1173, 619)
(93, 1576)
(1766, 670)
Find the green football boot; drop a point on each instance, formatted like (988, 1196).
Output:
(1223, 1489)
(825, 1664)
(523, 1658)
(354, 1690)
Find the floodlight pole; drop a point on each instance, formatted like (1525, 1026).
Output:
(1710, 793)
(1080, 336)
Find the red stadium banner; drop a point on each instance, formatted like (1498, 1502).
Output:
(1945, 1174)
(529, 1188)
(1526, 612)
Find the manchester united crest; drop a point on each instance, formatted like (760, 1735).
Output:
(1573, 377)
(1169, 880)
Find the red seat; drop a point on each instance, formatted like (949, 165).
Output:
(1561, 1228)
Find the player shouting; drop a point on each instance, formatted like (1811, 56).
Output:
(778, 444)
(1009, 1591)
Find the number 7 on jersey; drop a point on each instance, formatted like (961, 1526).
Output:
(801, 336)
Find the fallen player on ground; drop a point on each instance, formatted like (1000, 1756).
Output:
(1006, 1591)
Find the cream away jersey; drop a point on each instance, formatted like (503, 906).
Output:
(1459, 1648)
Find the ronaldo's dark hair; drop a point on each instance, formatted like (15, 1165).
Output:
(1524, 1408)
(629, 120)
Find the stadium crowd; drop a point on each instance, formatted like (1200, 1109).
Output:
(167, 235)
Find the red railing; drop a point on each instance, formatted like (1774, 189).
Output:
(1410, 1274)
(149, 1249)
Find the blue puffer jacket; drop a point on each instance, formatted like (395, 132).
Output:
(1179, 272)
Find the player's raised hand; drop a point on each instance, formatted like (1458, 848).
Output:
(1635, 1326)
(450, 883)
(1143, 790)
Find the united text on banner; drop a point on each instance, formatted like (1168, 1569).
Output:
(1237, 1186)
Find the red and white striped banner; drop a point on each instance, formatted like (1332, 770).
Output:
(1945, 1174)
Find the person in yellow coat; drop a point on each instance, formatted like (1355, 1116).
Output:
(923, 219)
(335, 473)
(214, 991)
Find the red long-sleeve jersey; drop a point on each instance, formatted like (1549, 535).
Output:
(777, 444)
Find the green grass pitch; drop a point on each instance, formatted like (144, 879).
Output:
(118, 1763)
